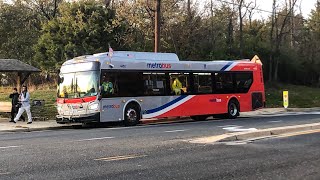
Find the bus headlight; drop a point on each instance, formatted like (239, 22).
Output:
(94, 106)
(59, 108)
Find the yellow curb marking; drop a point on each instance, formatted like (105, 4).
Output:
(21, 127)
(298, 133)
(117, 158)
(209, 139)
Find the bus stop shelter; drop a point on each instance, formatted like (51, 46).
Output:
(22, 69)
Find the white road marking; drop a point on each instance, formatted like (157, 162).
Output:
(5, 173)
(238, 129)
(92, 139)
(118, 158)
(275, 121)
(235, 143)
(7, 147)
(229, 126)
(287, 113)
(178, 130)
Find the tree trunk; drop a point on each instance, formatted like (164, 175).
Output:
(212, 30)
(276, 67)
(230, 35)
(240, 28)
(270, 68)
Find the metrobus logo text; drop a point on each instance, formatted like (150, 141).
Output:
(159, 65)
(111, 106)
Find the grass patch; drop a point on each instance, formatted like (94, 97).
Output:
(299, 96)
(46, 93)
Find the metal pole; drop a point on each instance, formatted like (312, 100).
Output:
(157, 27)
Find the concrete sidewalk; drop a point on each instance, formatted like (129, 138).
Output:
(6, 126)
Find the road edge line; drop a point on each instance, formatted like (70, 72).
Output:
(240, 136)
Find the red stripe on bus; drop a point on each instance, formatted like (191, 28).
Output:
(76, 100)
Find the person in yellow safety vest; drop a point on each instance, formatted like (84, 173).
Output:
(107, 86)
(176, 86)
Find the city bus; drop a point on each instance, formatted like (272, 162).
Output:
(130, 86)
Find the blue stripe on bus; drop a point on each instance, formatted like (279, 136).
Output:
(166, 105)
(226, 66)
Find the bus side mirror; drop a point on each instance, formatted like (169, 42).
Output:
(60, 79)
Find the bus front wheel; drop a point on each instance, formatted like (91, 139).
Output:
(233, 109)
(131, 115)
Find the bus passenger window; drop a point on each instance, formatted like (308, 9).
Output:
(179, 83)
(176, 86)
(202, 83)
(107, 86)
(154, 84)
(224, 83)
(243, 81)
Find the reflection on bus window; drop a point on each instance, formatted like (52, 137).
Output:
(224, 83)
(202, 83)
(78, 85)
(154, 84)
(244, 81)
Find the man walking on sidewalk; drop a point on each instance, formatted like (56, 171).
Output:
(24, 98)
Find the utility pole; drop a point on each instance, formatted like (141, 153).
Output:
(157, 26)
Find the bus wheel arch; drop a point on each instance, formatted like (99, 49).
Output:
(233, 109)
(132, 113)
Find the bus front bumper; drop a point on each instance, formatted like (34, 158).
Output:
(61, 119)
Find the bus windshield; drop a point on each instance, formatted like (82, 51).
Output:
(78, 84)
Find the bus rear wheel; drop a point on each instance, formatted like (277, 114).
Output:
(131, 115)
(233, 109)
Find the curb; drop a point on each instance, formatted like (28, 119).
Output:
(255, 134)
(28, 129)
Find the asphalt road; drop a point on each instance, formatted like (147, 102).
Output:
(161, 152)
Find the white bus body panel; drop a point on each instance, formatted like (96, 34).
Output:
(112, 109)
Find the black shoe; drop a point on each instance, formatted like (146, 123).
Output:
(29, 122)
(11, 121)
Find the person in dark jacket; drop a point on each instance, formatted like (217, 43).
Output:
(15, 104)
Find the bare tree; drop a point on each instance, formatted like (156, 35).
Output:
(47, 8)
(250, 11)
(276, 36)
(240, 26)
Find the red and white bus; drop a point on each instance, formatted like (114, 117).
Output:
(129, 86)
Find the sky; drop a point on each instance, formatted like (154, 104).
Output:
(306, 6)
(266, 5)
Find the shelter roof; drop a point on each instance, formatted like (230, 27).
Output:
(14, 65)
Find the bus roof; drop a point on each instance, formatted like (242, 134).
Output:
(149, 61)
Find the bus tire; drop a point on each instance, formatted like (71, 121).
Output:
(233, 109)
(199, 117)
(131, 115)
